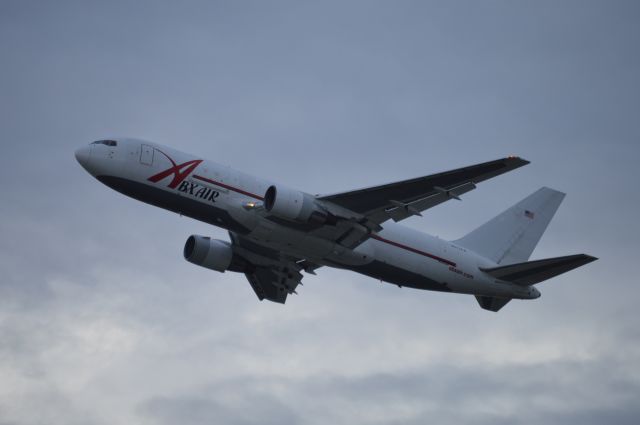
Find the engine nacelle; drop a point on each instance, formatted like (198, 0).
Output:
(213, 254)
(294, 205)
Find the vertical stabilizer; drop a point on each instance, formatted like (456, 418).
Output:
(512, 236)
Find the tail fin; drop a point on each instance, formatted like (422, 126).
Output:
(512, 236)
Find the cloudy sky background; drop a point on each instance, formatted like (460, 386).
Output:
(103, 322)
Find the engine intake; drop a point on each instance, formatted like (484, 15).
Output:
(210, 253)
(294, 205)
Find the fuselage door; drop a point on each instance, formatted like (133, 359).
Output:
(146, 155)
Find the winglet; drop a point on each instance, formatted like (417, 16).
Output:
(517, 160)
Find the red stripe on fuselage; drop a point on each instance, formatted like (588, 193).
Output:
(226, 186)
(415, 251)
(379, 238)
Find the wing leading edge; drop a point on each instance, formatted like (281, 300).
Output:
(405, 198)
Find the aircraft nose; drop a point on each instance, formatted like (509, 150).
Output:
(82, 156)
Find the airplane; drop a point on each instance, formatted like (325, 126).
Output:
(277, 232)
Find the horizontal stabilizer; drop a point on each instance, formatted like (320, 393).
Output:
(532, 272)
(492, 303)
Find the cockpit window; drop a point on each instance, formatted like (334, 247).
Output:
(105, 142)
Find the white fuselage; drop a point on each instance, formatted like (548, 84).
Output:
(219, 195)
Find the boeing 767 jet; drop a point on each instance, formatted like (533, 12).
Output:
(277, 232)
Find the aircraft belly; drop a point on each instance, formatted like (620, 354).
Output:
(291, 242)
(396, 275)
(172, 201)
(421, 262)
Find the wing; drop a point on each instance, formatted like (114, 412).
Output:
(403, 199)
(272, 275)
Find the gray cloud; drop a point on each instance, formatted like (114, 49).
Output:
(440, 392)
(259, 408)
(101, 321)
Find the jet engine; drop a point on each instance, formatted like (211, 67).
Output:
(213, 254)
(294, 205)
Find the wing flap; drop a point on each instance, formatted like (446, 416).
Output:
(401, 211)
(272, 275)
(532, 272)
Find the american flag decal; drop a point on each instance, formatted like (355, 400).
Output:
(528, 214)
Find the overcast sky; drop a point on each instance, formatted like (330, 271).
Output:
(103, 322)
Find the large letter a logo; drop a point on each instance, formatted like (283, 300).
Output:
(179, 171)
